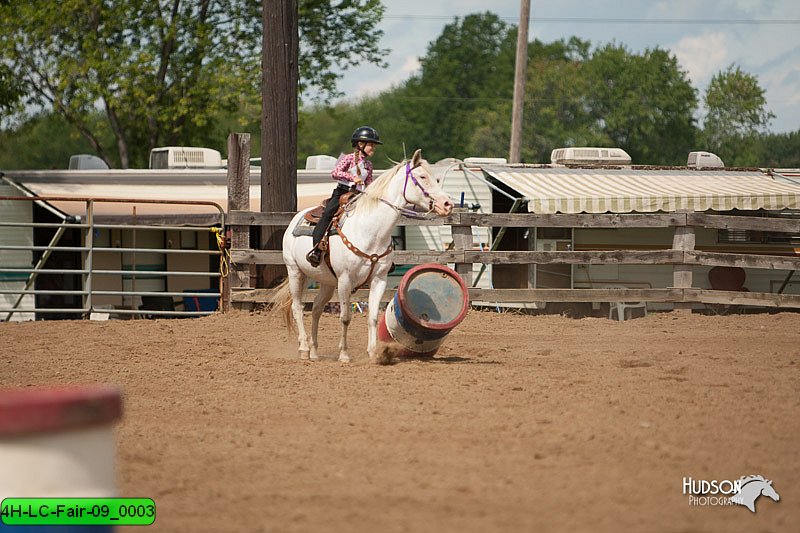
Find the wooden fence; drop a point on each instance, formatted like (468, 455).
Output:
(682, 256)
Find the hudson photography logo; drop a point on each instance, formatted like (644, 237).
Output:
(743, 491)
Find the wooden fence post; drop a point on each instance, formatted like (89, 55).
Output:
(684, 240)
(462, 241)
(238, 199)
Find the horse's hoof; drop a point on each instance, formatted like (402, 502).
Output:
(344, 358)
(304, 354)
(313, 357)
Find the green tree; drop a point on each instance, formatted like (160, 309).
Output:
(642, 103)
(556, 105)
(45, 129)
(459, 105)
(162, 72)
(10, 91)
(736, 115)
(468, 67)
(779, 150)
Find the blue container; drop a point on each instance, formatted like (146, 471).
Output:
(201, 303)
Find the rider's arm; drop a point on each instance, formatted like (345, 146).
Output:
(341, 172)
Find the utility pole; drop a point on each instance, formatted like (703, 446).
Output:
(279, 86)
(520, 72)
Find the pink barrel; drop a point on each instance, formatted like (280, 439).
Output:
(430, 301)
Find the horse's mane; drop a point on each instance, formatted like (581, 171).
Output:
(378, 186)
(744, 480)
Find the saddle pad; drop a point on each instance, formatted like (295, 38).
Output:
(303, 228)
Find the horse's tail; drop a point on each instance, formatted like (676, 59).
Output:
(283, 304)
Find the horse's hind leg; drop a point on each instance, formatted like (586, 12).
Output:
(323, 297)
(297, 282)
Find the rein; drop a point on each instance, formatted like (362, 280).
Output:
(403, 211)
(409, 213)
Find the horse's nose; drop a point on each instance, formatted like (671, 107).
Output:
(448, 206)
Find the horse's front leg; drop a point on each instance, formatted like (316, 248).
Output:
(345, 316)
(323, 297)
(376, 289)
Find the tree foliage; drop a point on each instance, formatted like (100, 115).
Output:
(10, 91)
(162, 71)
(737, 115)
(467, 69)
(335, 36)
(459, 104)
(643, 103)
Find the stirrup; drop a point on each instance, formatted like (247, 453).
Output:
(314, 257)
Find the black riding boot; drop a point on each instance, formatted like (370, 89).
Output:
(315, 255)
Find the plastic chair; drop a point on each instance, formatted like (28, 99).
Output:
(621, 307)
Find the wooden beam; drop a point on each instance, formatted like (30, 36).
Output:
(771, 262)
(462, 240)
(615, 257)
(686, 296)
(574, 295)
(526, 220)
(763, 299)
(400, 257)
(238, 198)
(784, 225)
(268, 296)
(254, 218)
(683, 240)
(502, 295)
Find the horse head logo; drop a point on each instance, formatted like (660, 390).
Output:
(751, 488)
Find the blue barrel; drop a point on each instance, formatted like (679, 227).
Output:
(58, 442)
(430, 301)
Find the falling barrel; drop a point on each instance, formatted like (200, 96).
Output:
(58, 442)
(430, 301)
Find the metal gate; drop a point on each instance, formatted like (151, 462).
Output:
(141, 302)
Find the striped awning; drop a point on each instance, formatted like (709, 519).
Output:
(567, 190)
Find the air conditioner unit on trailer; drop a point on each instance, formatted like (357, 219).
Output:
(704, 160)
(588, 155)
(184, 157)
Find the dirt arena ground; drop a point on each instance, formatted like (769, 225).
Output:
(520, 423)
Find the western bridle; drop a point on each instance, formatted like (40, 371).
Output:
(410, 213)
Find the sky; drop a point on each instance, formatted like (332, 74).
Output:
(764, 41)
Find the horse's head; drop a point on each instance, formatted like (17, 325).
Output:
(422, 189)
(769, 491)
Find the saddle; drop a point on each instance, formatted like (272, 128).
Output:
(313, 216)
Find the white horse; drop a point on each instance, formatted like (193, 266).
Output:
(361, 252)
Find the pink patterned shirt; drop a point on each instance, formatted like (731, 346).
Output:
(345, 171)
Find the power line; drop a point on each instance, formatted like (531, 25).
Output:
(603, 20)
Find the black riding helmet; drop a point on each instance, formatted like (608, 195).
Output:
(365, 134)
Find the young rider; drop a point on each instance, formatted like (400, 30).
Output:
(353, 170)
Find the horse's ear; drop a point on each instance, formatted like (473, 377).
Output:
(416, 158)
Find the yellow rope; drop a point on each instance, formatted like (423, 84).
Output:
(225, 254)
